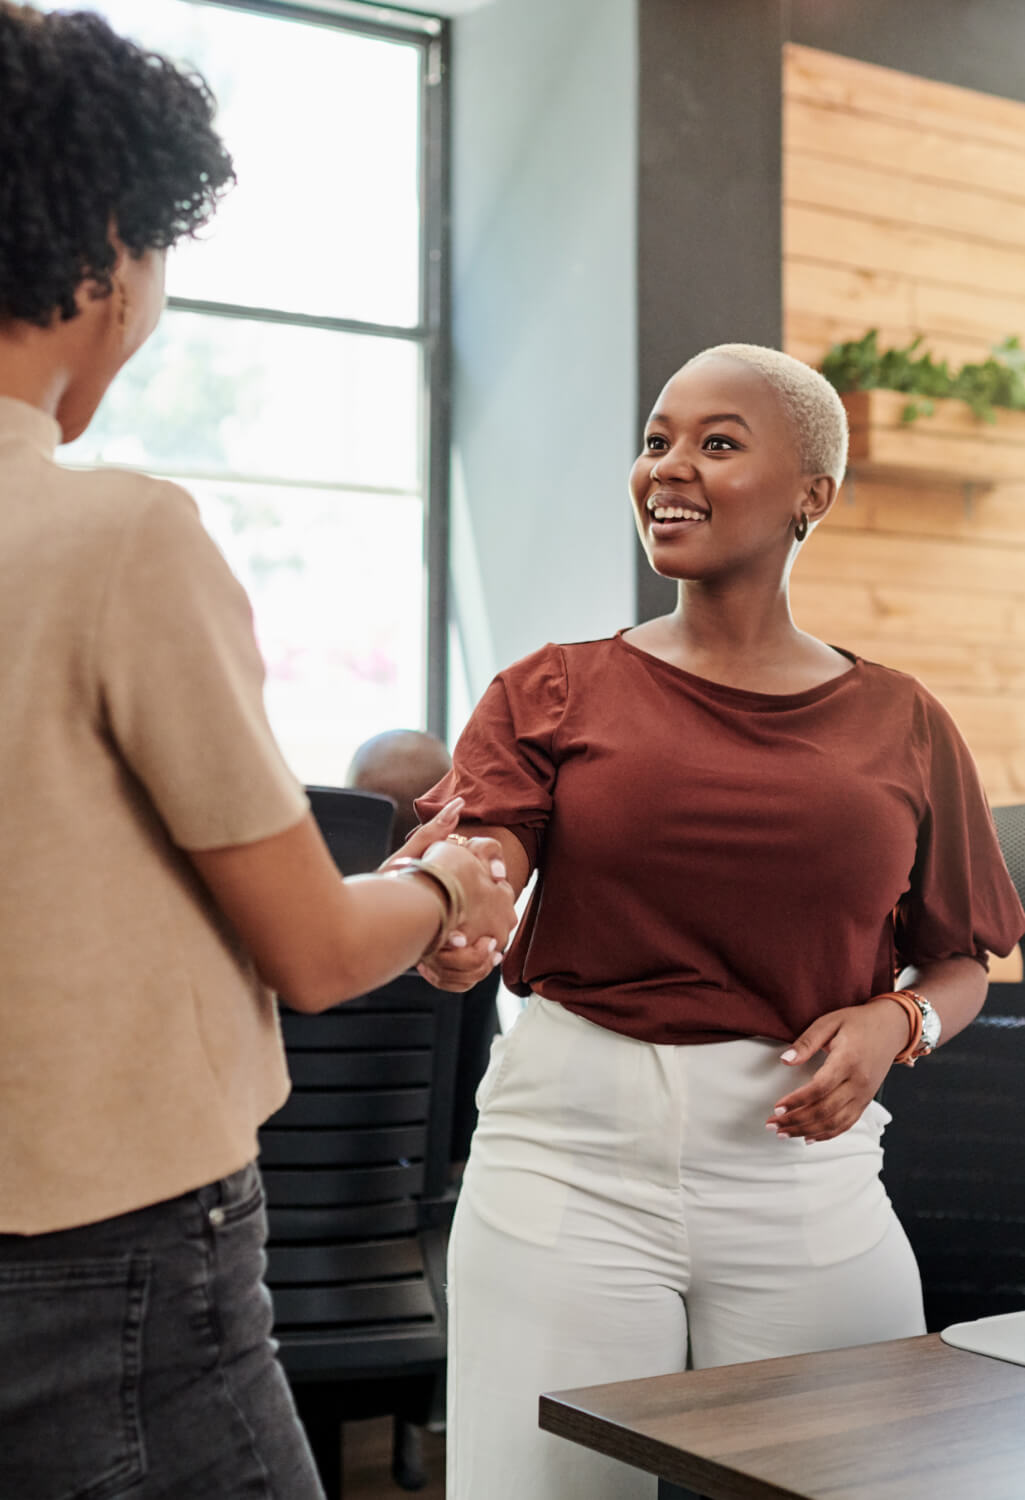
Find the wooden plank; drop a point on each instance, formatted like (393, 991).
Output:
(839, 609)
(882, 410)
(948, 666)
(973, 310)
(863, 295)
(823, 181)
(996, 515)
(825, 78)
(950, 446)
(871, 298)
(932, 563)
(933, 155)
(947, 260)
(927, 457)
(993, 724)
(808, 335)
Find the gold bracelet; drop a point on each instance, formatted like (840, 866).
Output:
(450, 890)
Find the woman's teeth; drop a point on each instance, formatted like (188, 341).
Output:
(676, 513)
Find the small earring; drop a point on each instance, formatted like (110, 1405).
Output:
(122, 306)
(801, 528)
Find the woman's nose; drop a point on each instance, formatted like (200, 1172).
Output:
(676, 464)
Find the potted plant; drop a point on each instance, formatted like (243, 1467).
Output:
(912, 417)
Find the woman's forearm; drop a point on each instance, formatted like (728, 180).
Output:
(318, 939)
(955, 988)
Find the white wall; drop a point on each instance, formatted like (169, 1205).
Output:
(544, 286)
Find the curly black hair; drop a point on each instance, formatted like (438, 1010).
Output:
(94, 133)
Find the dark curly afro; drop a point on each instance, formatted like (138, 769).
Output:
(94, 132)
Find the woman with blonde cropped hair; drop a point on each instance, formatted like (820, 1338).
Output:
(766, 872)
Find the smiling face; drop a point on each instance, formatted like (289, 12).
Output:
(727, 487)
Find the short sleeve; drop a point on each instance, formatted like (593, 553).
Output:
(180, 679)
(961, 900)
(504, 763)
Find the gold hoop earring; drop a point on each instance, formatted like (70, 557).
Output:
(801, 528)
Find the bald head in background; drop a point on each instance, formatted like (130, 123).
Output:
(402, 764)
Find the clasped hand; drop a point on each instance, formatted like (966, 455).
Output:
(490, 916)
(860, 1043)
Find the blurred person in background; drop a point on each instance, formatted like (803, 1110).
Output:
(161, 873)
(401, 764)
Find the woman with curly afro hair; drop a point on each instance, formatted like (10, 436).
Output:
(162, 873)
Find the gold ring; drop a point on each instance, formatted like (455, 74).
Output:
(457, 838)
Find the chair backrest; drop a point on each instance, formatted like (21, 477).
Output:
(1010, 823)
(348, 1163)
(356, 826)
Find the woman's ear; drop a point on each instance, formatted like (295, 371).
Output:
(819, 494)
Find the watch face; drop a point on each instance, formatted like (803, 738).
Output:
(931, 1028)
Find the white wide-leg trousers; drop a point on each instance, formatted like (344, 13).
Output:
(625, 1213)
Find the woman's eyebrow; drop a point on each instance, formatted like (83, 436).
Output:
(724, 416)
(660, 418)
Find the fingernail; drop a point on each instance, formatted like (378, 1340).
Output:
(456, 940)
(773, 1128)
(498, 869)
(492, 944)
(779, 1110)
(790, 1055)
(496, 960)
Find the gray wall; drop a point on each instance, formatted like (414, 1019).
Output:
(544, 164)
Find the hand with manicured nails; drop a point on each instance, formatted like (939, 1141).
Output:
(462, 963)
(469, 955)
(860, 1043)
(479, 866)
(420, 840)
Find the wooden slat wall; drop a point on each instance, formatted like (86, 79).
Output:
(904, 208)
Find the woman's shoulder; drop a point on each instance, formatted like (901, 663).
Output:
(109, 501)
(555, 661)
(896, 691)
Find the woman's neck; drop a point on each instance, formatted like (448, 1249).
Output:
(739, 638)
(716, 621)
(31, 369)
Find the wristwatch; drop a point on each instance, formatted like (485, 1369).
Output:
(932, 1026)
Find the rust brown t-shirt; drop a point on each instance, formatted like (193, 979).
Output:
(716, 863)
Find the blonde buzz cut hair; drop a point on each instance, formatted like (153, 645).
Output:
(811, 403)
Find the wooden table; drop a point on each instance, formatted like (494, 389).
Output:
(907, 1420)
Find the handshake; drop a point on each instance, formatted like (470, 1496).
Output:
(478, 911)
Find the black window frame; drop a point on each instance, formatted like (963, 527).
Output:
(431, 36)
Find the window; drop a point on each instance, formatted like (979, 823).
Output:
(295, 383)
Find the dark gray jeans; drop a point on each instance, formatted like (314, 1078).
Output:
(136, 1359)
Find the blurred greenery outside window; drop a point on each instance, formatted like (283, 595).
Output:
(291, 383)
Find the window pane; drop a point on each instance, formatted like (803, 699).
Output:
(228, 396)
(324, 125)
(337, 586)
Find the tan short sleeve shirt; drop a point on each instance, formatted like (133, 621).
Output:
(140, 1051)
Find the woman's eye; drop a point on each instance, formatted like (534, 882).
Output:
(655, 444)
(716, 443)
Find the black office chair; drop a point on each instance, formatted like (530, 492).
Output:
(954, 1164)
(356, 826)
(356, 1172)
(356, 1169)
